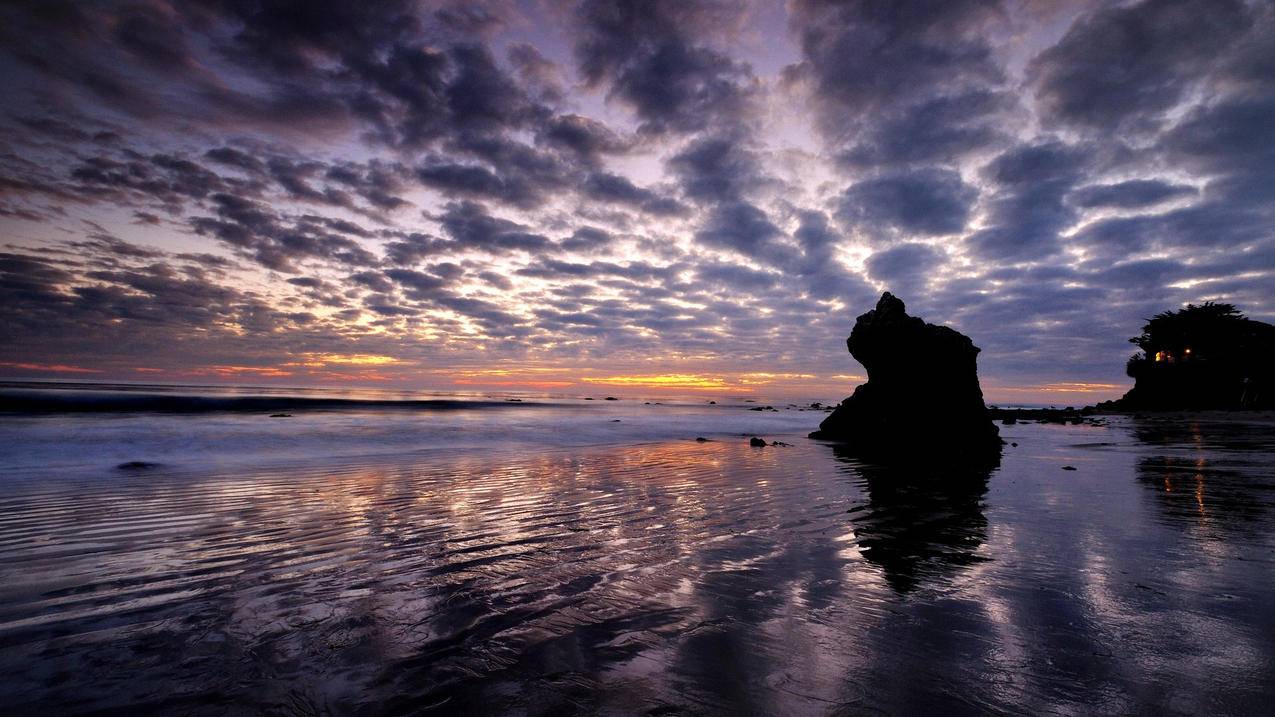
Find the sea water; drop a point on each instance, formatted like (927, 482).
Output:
(558, 556)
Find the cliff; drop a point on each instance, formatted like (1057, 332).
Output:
(922, 401)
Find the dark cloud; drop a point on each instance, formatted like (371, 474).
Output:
(254, 230)
(905, 268)
(159, 180)
(944, 129)
(741, 227)
(633, 271)
(617, 189)
(101, 243)
(926, 201)
(471, 227)
(587, 239)
(862, 58)
(738, 278)
(515, 173)
(1206, 225)
(413, 248)
(231, 157)
(645, 52)
(587, 138)
(418, 286)
(1028, 209)
(460, 180)
(1232, 138)
(717, 169)
(378, 183)
(1132, 63)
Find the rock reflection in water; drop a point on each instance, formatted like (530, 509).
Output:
(918, 523)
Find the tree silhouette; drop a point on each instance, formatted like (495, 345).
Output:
(1205, 356)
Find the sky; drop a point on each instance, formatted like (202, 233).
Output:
(608, 197)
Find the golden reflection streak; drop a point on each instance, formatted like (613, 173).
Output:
(1063, 387)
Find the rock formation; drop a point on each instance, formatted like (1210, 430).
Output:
(922, 401)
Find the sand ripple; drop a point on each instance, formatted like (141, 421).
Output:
(662, 578)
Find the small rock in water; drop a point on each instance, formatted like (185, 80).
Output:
(615, 420)
(712, 403)
(610, 398)
(756, 442)
(136, 466)
(281, 415)
(701, 439)
(1015, 445)
(779, 443)
(1069, 468)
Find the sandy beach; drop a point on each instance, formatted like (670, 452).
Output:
(660, 575)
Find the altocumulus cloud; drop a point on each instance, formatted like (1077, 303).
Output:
(691, 184)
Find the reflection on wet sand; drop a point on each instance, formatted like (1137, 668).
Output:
(665, 578)
(916, 523)
(1214, 477)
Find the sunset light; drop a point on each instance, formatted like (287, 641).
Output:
(637, 357)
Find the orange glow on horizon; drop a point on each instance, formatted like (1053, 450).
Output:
(514, 384)
(225, 370)
(693, 382)
(1064, 387)
(53, 368)
(319, 360)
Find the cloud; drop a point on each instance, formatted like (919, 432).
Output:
(419, 286)
(1127, 65)
(743, 228)
(943, 129)
(905, 269)
(460, 180)
(471, 227)
(645, 53)
(617, 189)
(1133, 194)
(276, 242)
(716, 169)
(862, 59)
(1027, 211)
(589, 139)
(924, 201)
(626, 181)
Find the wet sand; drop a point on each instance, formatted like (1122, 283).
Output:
(669, 577)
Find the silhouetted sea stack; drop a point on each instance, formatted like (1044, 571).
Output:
(922, 401)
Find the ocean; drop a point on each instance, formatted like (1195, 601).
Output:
(470, 554)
